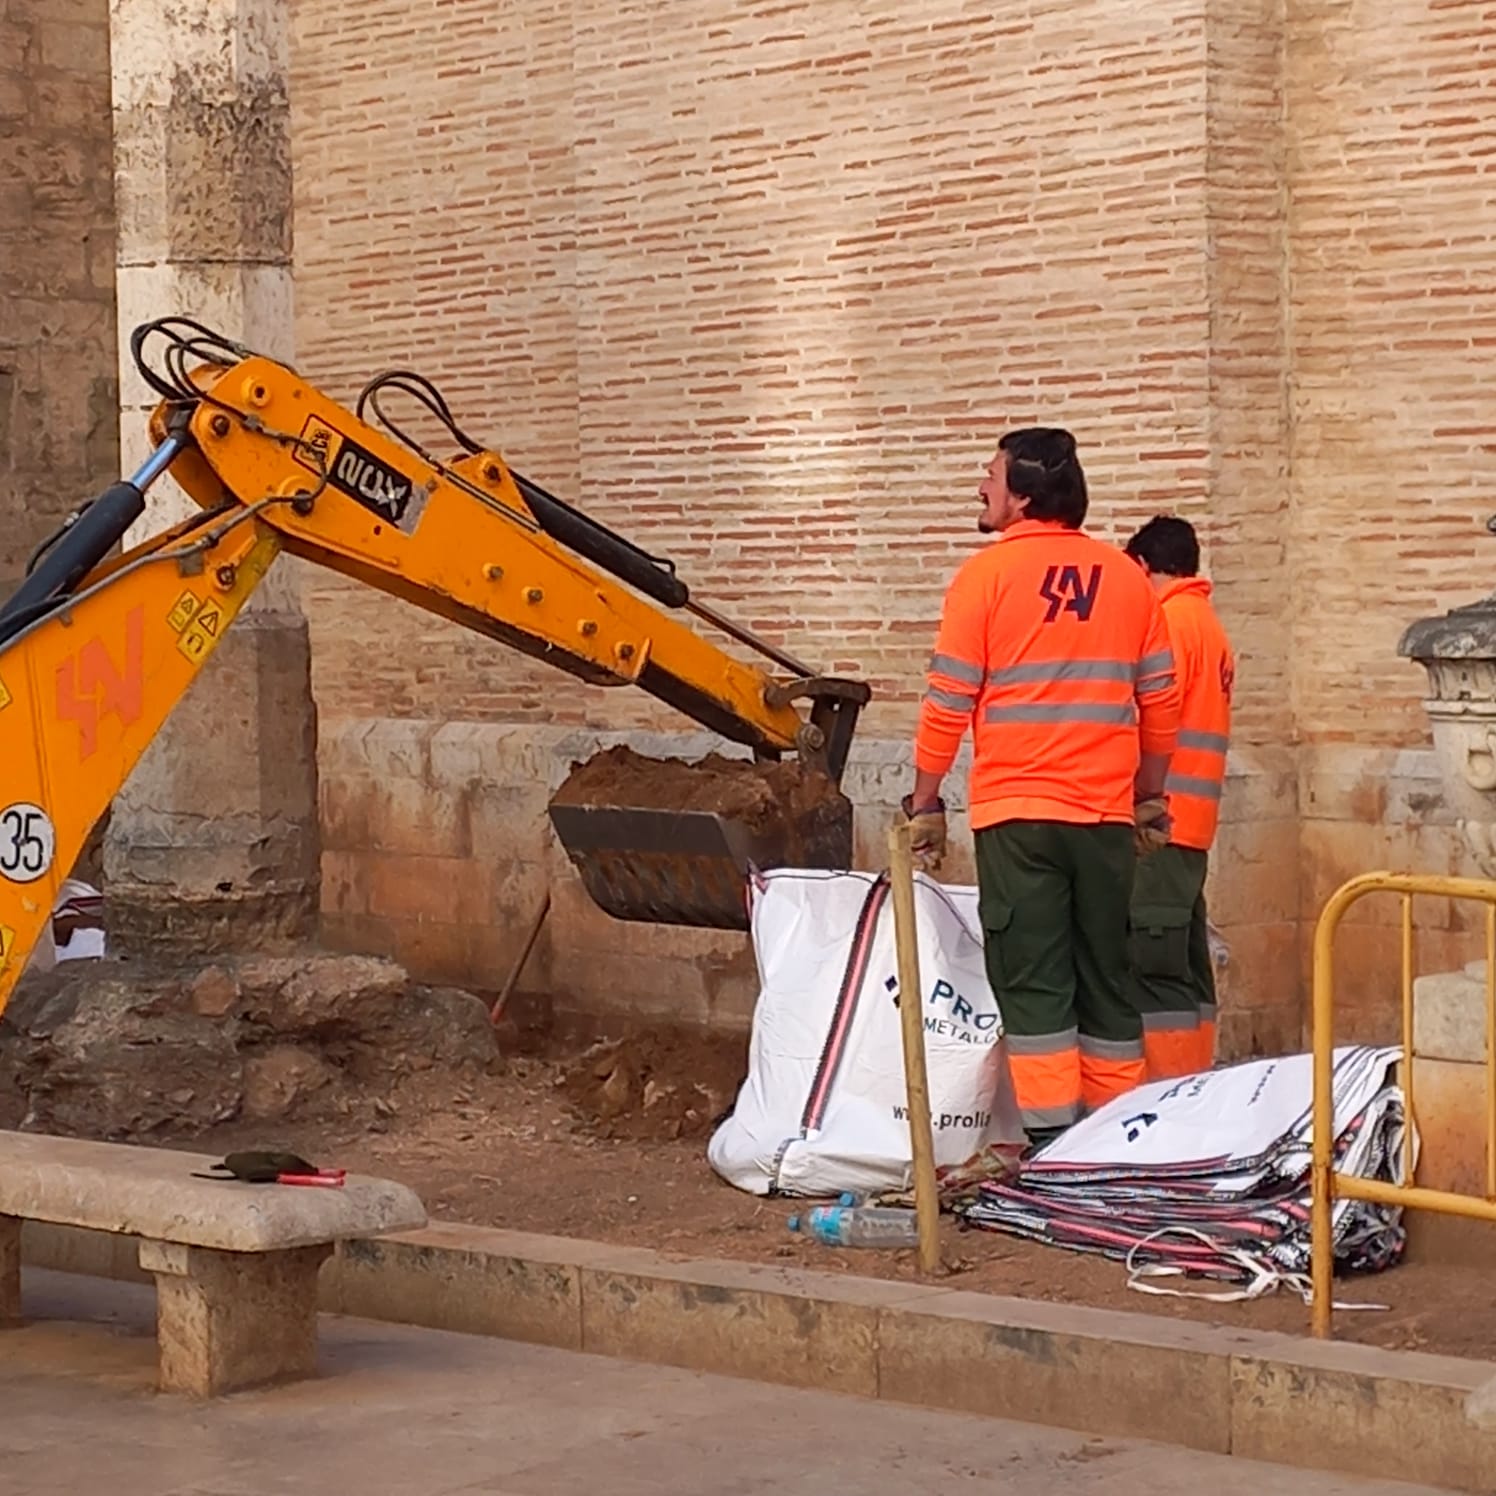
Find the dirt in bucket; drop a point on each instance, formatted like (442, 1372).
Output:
(758, 795)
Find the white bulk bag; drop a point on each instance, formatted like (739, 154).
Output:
(823, 1108)
(1237, 1123)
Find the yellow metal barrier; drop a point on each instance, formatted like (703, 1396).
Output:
(1327, 1183)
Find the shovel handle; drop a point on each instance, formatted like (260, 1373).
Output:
(511, 981)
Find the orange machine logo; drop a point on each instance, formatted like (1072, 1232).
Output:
(90, 686)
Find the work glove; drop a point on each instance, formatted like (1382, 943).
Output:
(927, 834)
(1151, 824)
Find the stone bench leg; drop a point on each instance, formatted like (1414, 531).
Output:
(10, 1269)
(228, 1320)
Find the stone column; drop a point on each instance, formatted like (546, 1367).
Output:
(1458, 651)
(214, 840)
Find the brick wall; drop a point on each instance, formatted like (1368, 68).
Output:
(1392, 265)
(1392, 227)
(763, 287)
(1255, 893)
(764, 296)
(58, 411)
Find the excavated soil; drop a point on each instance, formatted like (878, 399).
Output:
(761, 796)
(652, 1087)
(541, 1125)
(555, 1146)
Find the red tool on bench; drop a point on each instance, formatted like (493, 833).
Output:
(275, 1168)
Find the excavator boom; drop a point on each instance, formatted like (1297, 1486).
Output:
(97, 647)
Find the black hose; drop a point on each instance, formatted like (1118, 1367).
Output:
(51, 540)
(77, 551)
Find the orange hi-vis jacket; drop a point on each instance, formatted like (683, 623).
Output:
(1206, 667)
(1053, 650)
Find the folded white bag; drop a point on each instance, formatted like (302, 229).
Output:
(823, 1108)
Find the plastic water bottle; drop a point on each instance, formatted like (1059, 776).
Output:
(858, 1226)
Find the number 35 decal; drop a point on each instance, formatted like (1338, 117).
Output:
(28, 842)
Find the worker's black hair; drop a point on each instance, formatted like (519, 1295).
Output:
(1169, 545)
(1043, 468)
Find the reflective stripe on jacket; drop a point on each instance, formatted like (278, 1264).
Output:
(1053, 649)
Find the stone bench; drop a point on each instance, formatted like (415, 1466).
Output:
(235, 1264)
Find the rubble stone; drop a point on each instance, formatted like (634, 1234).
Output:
(129, 1049)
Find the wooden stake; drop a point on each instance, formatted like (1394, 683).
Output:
(912, 1018)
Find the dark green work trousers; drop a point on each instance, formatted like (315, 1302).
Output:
(1054, 900)
(1170, 980)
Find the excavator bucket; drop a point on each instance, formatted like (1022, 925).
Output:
(667, 842)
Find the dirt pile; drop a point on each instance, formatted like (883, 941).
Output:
(759, 796)
(124, 1049)
(654, 1086)
(510, 1154)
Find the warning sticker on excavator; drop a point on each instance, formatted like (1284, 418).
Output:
(354, 470)
(198, 639)
(7, 944)
(182, 612)
(319, 446)
(5, 697)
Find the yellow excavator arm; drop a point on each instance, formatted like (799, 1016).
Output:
(97, 647)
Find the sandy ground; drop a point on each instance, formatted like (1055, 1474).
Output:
(588, 1149)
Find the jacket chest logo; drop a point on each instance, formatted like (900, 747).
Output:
(1064, 591)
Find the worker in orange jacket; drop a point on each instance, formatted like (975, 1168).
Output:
(1170, 975)
(1052, 650)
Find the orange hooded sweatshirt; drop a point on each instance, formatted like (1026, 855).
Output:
(1206, 667)
(1053, 649)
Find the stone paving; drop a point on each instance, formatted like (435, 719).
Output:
(399, 1412)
